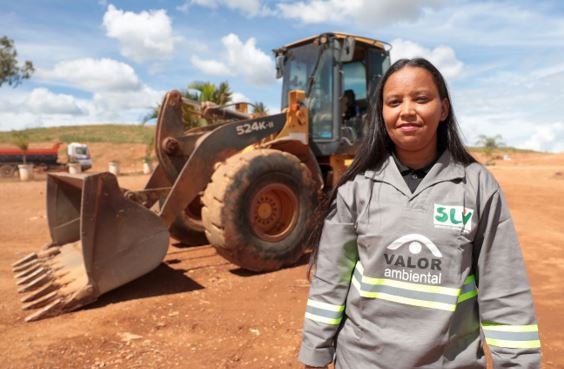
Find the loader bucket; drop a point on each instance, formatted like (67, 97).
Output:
(100, 240)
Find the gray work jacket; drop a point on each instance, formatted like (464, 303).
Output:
(420, 280)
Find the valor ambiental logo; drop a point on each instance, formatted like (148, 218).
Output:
(409, 263)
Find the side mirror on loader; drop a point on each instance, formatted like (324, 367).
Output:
(280, 65)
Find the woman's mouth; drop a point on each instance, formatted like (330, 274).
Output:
(408, 127)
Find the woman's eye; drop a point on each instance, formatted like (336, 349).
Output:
(421, 99)
(393, 103)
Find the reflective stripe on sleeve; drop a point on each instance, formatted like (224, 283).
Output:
(468, 290)
(512, 336)
(324, 312)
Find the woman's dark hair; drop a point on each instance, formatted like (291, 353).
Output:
(377, 145)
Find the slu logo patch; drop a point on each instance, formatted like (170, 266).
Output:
(457, 217)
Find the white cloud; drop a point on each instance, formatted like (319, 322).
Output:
(240, 58)
(249, 7)
(143, 36)
(514, 101)
(42, 101)
(363, 12)
(117, 102)
(317, 11)
(42, 108)
(547, 138)
(443, 57)
(245, 58)
(239, 97)
(212, 67)
(494, 24)
(93, 74)
(551, 71)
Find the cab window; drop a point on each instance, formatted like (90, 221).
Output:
(354, 78)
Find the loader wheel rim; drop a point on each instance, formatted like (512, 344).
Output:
(274, 212)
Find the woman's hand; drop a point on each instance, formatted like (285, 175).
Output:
(316, 367)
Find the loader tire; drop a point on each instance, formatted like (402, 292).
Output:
(257, 209)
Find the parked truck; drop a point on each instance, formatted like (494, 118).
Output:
(247, 185)
(43, 158)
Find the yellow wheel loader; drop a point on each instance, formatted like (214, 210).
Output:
(247, 185)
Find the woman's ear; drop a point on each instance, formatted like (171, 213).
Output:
(445, 106)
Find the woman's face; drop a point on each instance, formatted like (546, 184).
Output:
(412, 111)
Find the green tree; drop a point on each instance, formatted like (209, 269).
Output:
(200, 92)
(151, 114)
(189, 115)
(154, 113)
(207, 91)
(259, 108)
(10, 71)
(490, 144)
(21, 140)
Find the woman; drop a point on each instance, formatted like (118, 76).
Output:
(417, 260)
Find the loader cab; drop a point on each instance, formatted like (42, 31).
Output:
(337, 72)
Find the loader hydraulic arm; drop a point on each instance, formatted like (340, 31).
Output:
(205, 151)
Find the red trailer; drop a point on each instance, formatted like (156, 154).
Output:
(11, 157)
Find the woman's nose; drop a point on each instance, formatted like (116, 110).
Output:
(407, 109)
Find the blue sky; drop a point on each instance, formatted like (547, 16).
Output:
(100, 61)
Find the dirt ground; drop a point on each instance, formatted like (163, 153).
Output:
(198, 311)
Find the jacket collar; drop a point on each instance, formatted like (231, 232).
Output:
(403, 169)
(444, 169)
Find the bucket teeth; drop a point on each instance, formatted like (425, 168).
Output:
(63, 276)
(100, 240)
(42, 301)
(36, 283)
(30, 276)
(38, 293)
(53, 308)
(25, 266)
(48, 253)
(49, 281)
(25, 260)
(31, 269)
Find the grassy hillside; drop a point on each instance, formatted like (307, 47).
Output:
(504, 150)
(110, 133)
(133, 134)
